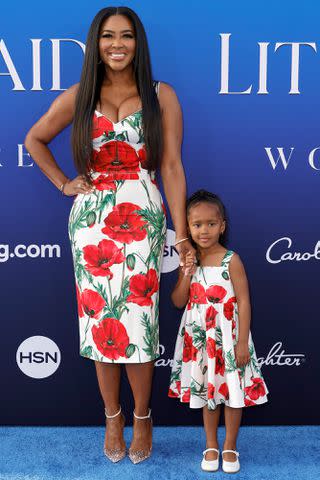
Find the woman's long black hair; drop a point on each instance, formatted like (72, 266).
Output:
(89, 93)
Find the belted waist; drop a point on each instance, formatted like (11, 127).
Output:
(124, 174)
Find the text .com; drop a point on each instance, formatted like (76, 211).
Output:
(29, 251)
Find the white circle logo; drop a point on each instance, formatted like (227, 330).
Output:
(38, 357)
(170, 259)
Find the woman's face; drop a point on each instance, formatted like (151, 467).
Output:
(117, 43)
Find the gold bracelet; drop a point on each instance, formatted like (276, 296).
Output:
(61, 188)
(180, 241)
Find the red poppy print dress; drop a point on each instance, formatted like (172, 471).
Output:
(204, 368)
(117, 236)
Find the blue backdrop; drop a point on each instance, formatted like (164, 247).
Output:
(250, 134)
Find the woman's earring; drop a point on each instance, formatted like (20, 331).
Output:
(100, 61)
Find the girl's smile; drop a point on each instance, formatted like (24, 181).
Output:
(205, 224)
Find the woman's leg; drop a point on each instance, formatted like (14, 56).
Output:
(211, 422)
(232, 420)
(109, 383)
(140, 379)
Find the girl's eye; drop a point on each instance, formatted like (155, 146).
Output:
(128, 35)
(211, 224)
(106, 35)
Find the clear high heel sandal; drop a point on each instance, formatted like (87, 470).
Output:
(115, 454)
(137, 456)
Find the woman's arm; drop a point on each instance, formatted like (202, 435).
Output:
(172, 172)
(58, 117)
(241, 289)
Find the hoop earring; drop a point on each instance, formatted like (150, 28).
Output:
(100, 61)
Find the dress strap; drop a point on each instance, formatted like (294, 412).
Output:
(226, 259)
(156, 85)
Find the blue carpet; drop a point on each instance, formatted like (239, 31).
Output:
(74, 453)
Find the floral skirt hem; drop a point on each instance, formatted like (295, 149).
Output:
(213, 404)
(120, 361)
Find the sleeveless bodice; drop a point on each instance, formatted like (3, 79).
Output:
(119, 147)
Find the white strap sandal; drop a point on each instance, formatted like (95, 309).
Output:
(231, 467)
(138, 456)
(114, 454)
(210, 465)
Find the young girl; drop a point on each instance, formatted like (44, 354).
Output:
(215, 361)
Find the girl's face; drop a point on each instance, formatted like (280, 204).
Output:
(205, 224)
(117, 43)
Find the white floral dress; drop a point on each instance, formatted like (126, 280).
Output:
(117, 236)
(204, 368)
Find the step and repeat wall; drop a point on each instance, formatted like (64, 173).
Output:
(247, 78)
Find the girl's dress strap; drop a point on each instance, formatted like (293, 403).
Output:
(226, 259)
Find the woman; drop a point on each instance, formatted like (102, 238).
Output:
(125, 126)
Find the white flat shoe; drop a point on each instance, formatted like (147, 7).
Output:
(230, 467)
(210, 465)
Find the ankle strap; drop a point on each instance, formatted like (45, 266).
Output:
(142, 418)
(231, 451)
(112, 416)
(210, 450)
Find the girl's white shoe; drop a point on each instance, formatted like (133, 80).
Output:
(230, 467)
(210, 465)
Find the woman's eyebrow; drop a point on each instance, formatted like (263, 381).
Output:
(112, 31)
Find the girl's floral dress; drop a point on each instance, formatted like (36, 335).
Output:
(204, 367)
(117, 236)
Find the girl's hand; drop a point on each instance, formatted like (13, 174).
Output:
(76, 186)
(189, 266)
(183, 248)
(242, 354)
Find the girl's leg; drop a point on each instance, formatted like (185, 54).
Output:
(232, 420)
(211, 422)
(108, 375)
(140, 379)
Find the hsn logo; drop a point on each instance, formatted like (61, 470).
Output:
(38, 357)
(170, 260)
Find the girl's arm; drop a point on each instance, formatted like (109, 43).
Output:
(180, 294)
(241, 289)
(172, 172)
(58, 117)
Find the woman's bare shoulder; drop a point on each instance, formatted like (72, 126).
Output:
(167, 95)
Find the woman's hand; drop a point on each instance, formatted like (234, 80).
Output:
(76, 186)
(242, 354)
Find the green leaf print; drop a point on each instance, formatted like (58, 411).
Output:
(111, 135)
(225, 275)
(80, 270)
(91, 218)
(230, 361)
(131, 348)
(199, 337)
(155, 231)
(86, 352)
(198, 389)
(109, 198)
(122, 137)
(78, 218)
(151, 336)
(115, 306)
(211, 404)
(253, 360)
(218, 337)
(176, 374)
